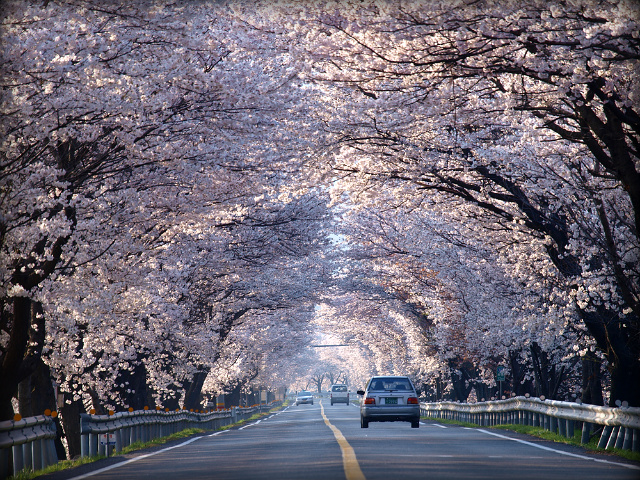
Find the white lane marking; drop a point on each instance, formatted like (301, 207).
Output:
(218, 433)
(131, 460)
(250, 425)
(575, 455)
(438, 425)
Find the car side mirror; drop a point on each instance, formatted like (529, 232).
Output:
(360, 392)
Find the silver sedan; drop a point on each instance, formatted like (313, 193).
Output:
(389, 399)
(304, 397)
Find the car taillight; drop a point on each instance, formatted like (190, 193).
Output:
(412, 401)
(369, 401)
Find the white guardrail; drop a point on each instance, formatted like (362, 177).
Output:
(620, 427)
(100, 434)
(29, 443)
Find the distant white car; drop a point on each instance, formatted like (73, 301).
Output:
(304, 397)
(339, 393)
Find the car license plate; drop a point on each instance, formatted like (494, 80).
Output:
(390, 401)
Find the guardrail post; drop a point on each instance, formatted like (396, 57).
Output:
(586, 432)
(553, 424)
(36, 455)
(571, 428)
(118, 434)
(547, 422)
(27, 455)
(628, 439)
(4, 462)
(18, 458)
(619, 438)
(93, 444)
(52, 454)
(604, 437)
(636, 440)
(612, 438)
(84, 445)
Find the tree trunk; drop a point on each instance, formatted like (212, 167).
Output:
(482, 391)
(548, 379)
(519, 372)
(192, 396)
(70, 417)
(592, 380)
(622, 352)
(625, 383)
(35, 393)
(460, 377)
(134, 380)
(232, 399)
(14, 355)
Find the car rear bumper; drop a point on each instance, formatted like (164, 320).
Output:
(408, 413)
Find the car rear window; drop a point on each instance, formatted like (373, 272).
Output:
(304, 394)
(339, 388)
(389, 383)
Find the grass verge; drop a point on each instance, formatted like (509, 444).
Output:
(66, 464)
(538, 432)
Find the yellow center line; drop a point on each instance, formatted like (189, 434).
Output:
(349, 460)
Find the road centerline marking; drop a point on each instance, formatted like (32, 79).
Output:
(351, 467)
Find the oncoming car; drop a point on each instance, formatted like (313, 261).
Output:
(304, 397)
(389, 399)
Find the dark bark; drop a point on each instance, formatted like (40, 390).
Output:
(134, 380)
(548, 377)
(518, 373)
(12, 369)
(622, 352)
(625, 385)
(482, 391)
(70, 419)
(233, 398)
(592, 380)
(461, 379)
(193, 392)
(36, 393)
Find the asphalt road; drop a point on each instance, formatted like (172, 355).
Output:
(324, 442)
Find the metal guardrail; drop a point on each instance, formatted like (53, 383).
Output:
(620, 427)
(101, 434)
(29, 441)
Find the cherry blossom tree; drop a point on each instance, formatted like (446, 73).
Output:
(519, 117)
(142, 210)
